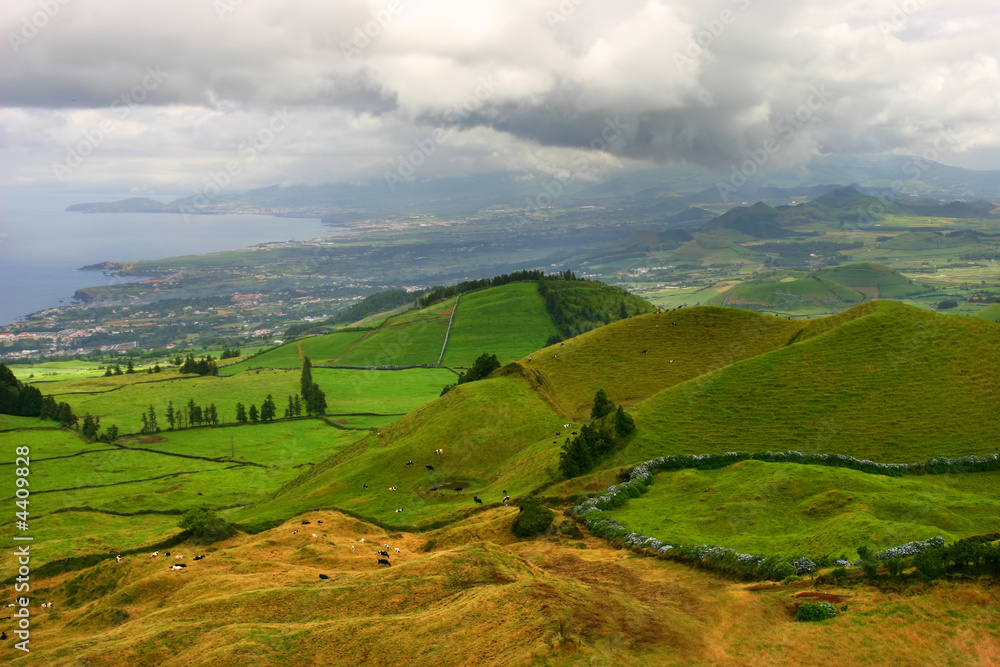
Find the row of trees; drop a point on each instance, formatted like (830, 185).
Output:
(17, 398)
(607, 432)
(268, 411)
(91, 430)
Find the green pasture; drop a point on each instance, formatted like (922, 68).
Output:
(10, 422)
(347, 392)
(57, 370)
(805, 294)
(285, 444)
(611, 357)
(400, 343)
(788, 509)
(325, 349)
(895, 385)
(509, 321)
(990, 312)
(496, 434)
(47, 443)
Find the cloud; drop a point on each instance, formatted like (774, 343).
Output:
(505, 84)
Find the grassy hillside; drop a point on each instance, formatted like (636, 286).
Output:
(898, 384)
(496, 434)
(509, 321)
(325, 349)
(806, 294)
(612, 357)
(788, 509)
(258, 600)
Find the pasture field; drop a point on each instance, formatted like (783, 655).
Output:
(325, 349)
(509, 321)
(798, 296)
(285, 444)
(401, 341)
(258, 600)
(990, 312)
(496, 434)
(50, 442)
(11, 422)
(897, 384)
(611, 357)
(57, 370)
(790, 509)
(347, 391)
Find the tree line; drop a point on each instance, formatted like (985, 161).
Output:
(23, 400)
(607, 432)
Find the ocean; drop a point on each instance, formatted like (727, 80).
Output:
(42, 246)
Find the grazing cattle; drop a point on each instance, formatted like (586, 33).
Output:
(386, 545)
(383, 553)
(438, 452)
(409, 463)
(382, 561)
(671, 361)
(479, 501)
(458, 488)
(505, 492)
(154, 554)
(562, 344)
(3, 636)
(295, 532)
(118, 558)
(167, 553)
(566, 425)
(319, 522)
(323, 576)
(673, 324)
(396, 549)
(305, 523)
(574, 432)
(434, 488)
(554, 356)
(178, 557)
(399, 510)
(392, 488)
(199, 557)
(366, 487)
(558, 432)
(352, 548)
(645, 351)
(506, 499)
(555, 442)
(314, 535)
(362, 540)
(529, 360)
(177, 566)
(429, 467)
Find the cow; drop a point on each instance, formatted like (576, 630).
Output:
(458, 488)
(383, 553)
(118, 558)
(382, 561)
(323, 576)
(198, 557)
(399, 510)
(305, 523)
(479, 501)
(409, 463)
(429, 467)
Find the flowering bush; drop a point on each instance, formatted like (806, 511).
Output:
(804, 566)
(816, 611)
(910, 548)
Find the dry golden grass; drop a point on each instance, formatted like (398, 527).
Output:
(478, 598)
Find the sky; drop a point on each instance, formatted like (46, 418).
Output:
(148, 97)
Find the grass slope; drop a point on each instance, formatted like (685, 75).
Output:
(789, 509)
(897, 384)
(325, 349)
(497, 435)
(509, 321)
(611, 357)
(258, 600)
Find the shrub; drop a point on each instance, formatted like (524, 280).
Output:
(533, 519)
(205, 526)
(839, 574)
(816, 611)
(895, 566)
(946, 304)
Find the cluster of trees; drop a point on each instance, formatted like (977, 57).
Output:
(439, 293)
(17, 398)
(607, 432)
(268, 411)
(312, 396)
(577, 306)
(91, 430)
(203, 366)
(228, 353)
(481, 368)
(191, 414)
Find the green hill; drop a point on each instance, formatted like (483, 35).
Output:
(789, 509)
(897, 384)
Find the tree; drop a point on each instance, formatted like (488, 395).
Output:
(268, 410)
(107, 372)
(602, 405)
(290, 410)
(118, 370)
(65, 416)
(205, 526)
(153, 426)
(241, 413)
(170, 415)
(316, 401)
(624, 423)
(110, 434)
(90, 427)
(212, 414)
(190, 412)
(254, 415)
(131, 368)
(306, 381)
(533, 519)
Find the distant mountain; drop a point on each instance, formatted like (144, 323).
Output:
(759, 221)
(133, 205)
